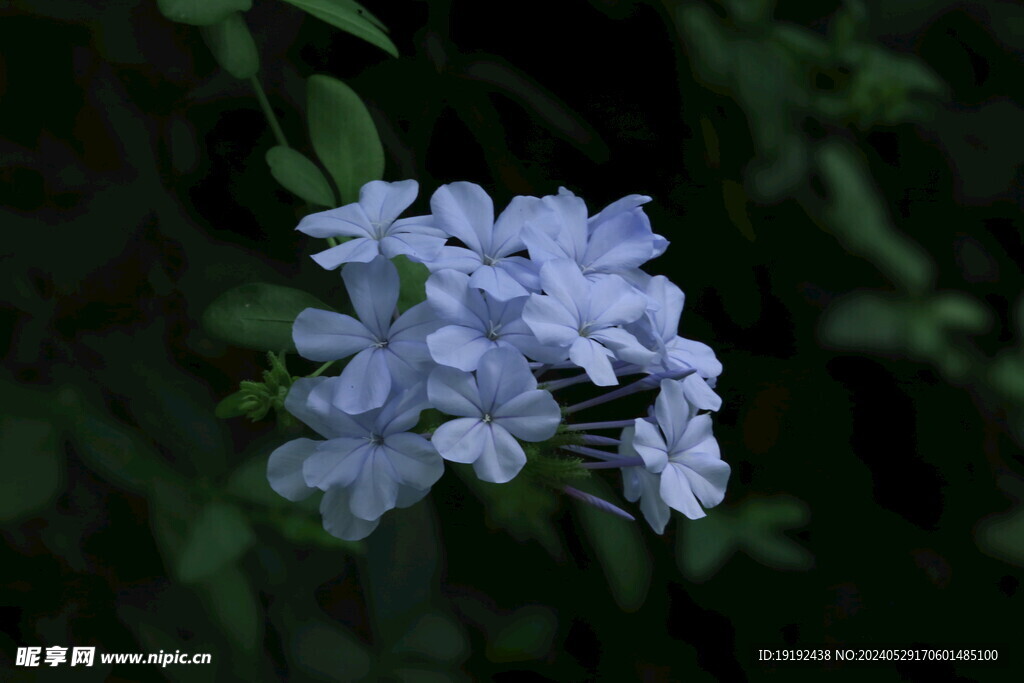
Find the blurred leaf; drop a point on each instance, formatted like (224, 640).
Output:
(619, 547)
(856, 215)
(218, 537)
(402, 569)
(803, 44)
(344, 136)
(33, 462)
(764, 520)
(756, 526)
(1007, 375)
(750, 11)
(305, 530)
(413, 278)
(300, 176)
(118, 453)
(350, 17)
(523, 509)
(532, 96)
(329, 652)
(435, 636)
(232, 46)
(258, 315)
(958, 310)
(527, 635)
(201, 12)
(848, 25)
(865, 320)
(417, 675)
(249, 482)
(705, 545)
(708, 46)
(231, 599)
(1002, 537)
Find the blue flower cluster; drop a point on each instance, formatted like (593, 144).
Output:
(543, 288)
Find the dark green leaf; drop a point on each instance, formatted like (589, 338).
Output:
(527, 635)
(33, 465)
(219, 535)
(234, 604)
(232, 46)
(300, 176)
(258, 315)
(413, 277)
(866, 321)
(201, 12)
(619, 547)
(705, 544)
(344, 136)
(118, 453)
(329, 651)
(350, 17)
(435, 636)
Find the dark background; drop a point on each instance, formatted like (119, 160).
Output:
(819, 205)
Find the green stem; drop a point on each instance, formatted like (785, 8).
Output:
(322, 368)
(268, 112)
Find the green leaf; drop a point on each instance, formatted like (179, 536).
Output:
(344, 136)
(858, 218)
(118, 453)
(258, 315)
(304, 530)
(705, 545)
(435, 636)
(300, 176)
(232, 46)
(960, 311)
(33, 465)
(866, 321)
(763, 521)
(527, 635)
(329, 651)
(219, 535)
(350, 17)
(413, 282)
(233, 602)
(201, 12)
(619, 547)
(1002, 537)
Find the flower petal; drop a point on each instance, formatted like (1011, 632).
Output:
(336, 462)
(339, 520)
(384, 202)
(593, 358)
(461, 440)
(501, 459)
(373, 290)
(501, 375)
(345, 221)
(675, 490)
(326, 335)
(415, 460)
(650, 445)
(358, 250)
(466, 212)
(284, 469)
(454, 392)
(458, 347)
(531, 416)
(375, 489)
(364, 383)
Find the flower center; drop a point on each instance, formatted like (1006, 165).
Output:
(487, 419)
(492, 330)
(585, 329)
(491, 260)
(380, 344)
(375, 439)
(380, 230)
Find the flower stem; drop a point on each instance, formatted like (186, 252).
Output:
(612, 424)
(595, 440)
(634, 461)
(320, 370)
(268, 112)
(598, 503)
(649, 382)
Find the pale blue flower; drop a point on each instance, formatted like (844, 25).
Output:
(640, 484)
(473, 323)
(584, 318)
(368, 464)
(374, 225)
(465, 211)
(386, 353)
(616, 241)
(498, 404)
(682, 451)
